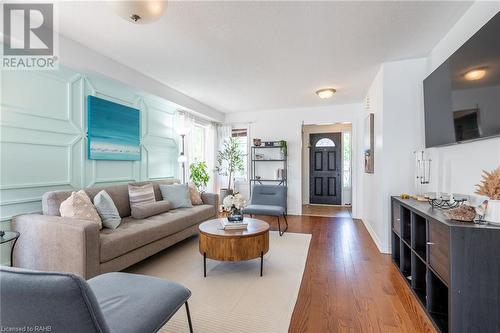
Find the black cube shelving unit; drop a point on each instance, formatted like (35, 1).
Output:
(418, 235)
(452, 268)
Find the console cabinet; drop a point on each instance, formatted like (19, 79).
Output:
(453, 268)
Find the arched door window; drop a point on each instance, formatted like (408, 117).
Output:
(325, 142)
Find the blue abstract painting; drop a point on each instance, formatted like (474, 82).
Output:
(113, 131)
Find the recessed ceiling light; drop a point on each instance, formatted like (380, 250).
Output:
(139, 12)
(475, 74)
(325, 93)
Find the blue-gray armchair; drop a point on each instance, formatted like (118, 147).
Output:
(268, 200)
(63, 302)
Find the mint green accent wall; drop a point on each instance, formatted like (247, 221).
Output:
(43, 138)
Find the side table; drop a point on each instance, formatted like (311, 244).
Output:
(8, 236)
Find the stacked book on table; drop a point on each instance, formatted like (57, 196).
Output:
(226, 225)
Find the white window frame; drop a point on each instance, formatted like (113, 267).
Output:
(244, 179)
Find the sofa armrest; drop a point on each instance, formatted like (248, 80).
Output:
(54, 243)
(211, 199)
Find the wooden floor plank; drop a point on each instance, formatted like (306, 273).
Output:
(348, 285)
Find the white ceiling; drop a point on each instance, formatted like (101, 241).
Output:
(239, 56)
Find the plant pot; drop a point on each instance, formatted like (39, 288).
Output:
(493, 212)
(224, 192)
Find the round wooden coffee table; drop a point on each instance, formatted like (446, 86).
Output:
(234, 245)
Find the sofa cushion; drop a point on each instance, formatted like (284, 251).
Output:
(147, 210)
(134, 233)
(119, 194)
(51, 201)
(263, 210)
(177, 195)
(107, 210)
(195, 195)
(156, 185)
(141, 194)
(79, 206)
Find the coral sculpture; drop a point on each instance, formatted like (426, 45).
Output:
(490, 184)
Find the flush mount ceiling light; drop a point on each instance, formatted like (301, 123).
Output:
(325, 93)
(475, 74)
(139, 12)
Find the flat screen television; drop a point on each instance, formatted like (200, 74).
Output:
(462, 96)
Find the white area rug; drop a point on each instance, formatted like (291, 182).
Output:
(233, 297)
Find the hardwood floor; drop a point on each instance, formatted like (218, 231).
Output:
(326, 211)
(348, 285)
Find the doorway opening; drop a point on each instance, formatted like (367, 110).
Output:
(327, 170)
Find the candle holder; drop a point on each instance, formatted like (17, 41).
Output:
(422, 170)
(447, 202)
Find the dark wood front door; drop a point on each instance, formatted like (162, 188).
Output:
(325, 183)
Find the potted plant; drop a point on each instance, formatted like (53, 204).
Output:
(198, 175)
(283, 149)
(229, 161)
(490, 187)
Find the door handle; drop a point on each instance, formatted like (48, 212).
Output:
(431, 243)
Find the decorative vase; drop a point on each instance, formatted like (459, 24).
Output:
(493, 212)
(234, 215)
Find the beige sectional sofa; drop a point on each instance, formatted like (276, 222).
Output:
(53, 243)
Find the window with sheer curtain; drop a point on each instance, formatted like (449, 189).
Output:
(241, 135)
(199, 144)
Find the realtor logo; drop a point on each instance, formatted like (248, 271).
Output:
(28, 36)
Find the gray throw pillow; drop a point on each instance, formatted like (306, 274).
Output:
(107, 210)
(177, 195)
(147, 210)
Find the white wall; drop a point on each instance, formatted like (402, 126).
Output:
(286, 124)
(458, 168)
(395, 98)
(371, 184)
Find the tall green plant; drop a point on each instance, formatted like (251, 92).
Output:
(198, 175)
(230, 160)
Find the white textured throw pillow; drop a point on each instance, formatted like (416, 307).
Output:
(107, 210)
(79, 206)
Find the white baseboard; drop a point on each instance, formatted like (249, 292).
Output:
(376, 240)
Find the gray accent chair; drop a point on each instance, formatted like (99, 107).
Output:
(112, 302)
(268, 200)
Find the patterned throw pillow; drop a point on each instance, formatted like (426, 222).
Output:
(141, 194)
(107, 210)
(195, 195)
(79, 206)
